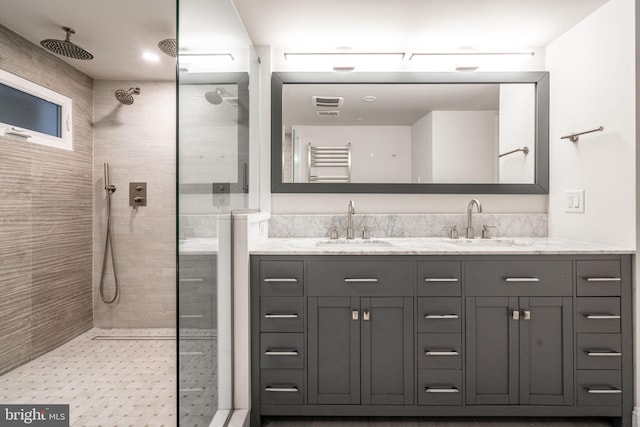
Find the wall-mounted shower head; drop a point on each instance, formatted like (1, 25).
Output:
(66, 47)
(168, 46)
(215, 96)
(126, 96)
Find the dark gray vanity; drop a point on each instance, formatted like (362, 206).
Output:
(442, 335)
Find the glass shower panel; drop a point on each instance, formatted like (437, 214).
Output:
(214, 56)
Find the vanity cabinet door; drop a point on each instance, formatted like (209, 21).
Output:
(546, 351)
(519, 351)
(492, 351)
(334, 350)
(360, 351)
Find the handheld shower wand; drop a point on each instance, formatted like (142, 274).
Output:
(109, 244)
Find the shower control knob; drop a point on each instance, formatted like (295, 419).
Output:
(138, 199)
(139, 188)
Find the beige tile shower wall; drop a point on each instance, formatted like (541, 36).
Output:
(138, 141)
(45, 218)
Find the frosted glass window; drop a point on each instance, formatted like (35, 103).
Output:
(34, 114)
(29, 112)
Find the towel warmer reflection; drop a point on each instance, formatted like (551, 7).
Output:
(329, 157)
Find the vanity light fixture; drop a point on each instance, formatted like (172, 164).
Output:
(203, 61)
(344, 61)
(417, 55)
(468, 61)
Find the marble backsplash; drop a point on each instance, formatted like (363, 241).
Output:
(409, 225)
(198, 226)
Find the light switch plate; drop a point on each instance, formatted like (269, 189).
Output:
(574, 201)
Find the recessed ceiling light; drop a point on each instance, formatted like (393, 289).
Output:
(369, 98)
(150, 57)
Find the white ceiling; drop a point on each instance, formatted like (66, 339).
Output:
(117, 31)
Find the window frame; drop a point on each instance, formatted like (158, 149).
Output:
(65, 141)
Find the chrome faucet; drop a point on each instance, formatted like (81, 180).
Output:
(470, 234)
(351, 209)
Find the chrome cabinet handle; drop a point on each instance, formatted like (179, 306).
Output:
(602, 316)
(521, 279)
(440, 279)
(441, 316)
(603, 391)
(527, 315)
(195, 280)
(609, 353)
(361, 280)
(283, 279)
(515, 314)
(281, 316)
(271, 389)
(441, 390)
(441, 353)
(366, 315)
(283, 352)
(603, 279)
(354, 315)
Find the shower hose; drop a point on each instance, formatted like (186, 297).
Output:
(108, 248)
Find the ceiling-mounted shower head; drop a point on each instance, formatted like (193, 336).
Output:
(66, 47)
(168, 46)
(215, 97)
(126, 96)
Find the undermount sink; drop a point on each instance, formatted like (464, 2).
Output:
(354, 242)
(487, 242)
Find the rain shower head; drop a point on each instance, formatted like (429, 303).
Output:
(168, 46)
(214, 97)
(126, 96)
(66, 47)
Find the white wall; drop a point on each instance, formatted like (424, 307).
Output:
(464, 146)
(592, 69)
(421, 141)
(517, 129)
(378, 153)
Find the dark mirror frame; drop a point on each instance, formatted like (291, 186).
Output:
(539, 78)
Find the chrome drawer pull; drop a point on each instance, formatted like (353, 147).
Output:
(603, 391)
(440, 279)
(441, 316)
(521, 279)
(602, 316)
(281, 316)
(286, 352)
(278, 279)
(603, 353)
(191, 280)
(361, 280)
(271, 389)
(441, 353)
(603, 279)
(441, 390)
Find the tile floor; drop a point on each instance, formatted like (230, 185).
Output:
(110, 383)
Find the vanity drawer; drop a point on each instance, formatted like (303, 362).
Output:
(439, 351)
(281, 278)
(598, 315)
(282, 350)
(599, 351)
(599, 388)
(281, 314)
(439, 387)
(439, 314)
(599, 277)
(281, 386)
(439, 278)
(353, 277)
(518, 278)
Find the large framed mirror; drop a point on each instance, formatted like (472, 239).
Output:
(480, 133)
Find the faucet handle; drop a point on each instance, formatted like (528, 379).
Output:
(453, 234)
(485, 231)
(334, 231)
(366, 232)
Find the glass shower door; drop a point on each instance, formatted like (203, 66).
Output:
(213, 176)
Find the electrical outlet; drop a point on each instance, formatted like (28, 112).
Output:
(574, 201)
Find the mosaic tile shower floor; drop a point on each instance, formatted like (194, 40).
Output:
(106, 382)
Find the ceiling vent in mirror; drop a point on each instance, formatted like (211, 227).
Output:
(327, 101)
(328, 113)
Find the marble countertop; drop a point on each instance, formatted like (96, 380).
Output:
(198, 246)
(430, 246)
